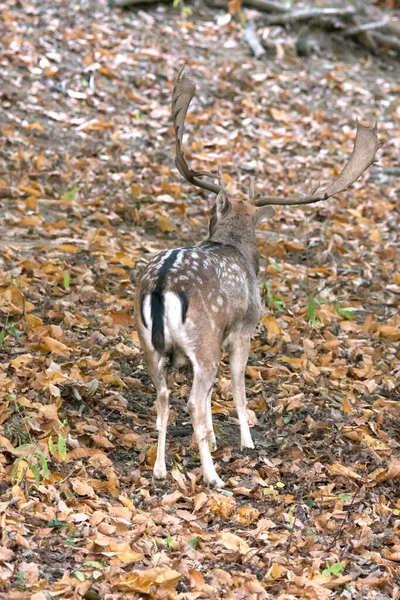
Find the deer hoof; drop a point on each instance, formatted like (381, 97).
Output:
(159, 473)
(247, 444)
(216, 482)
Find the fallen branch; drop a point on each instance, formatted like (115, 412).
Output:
(254, 41)
(363, 37)
(123, 3)
(387, 40)
(308, 14)
(360, 28)
(262, 5)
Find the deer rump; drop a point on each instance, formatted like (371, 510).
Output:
(209, 282)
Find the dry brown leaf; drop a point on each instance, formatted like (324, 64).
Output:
(82, 488)
(142, 581)
(56, 346)
(196, 579)
(337, 469)
(230, 541)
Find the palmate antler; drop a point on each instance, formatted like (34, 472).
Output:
(182, 95)
(365, 147)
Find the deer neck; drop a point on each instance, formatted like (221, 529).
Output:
(244, 241)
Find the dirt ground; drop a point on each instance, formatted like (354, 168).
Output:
(88, 192)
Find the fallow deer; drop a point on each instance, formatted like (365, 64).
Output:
(193, 302)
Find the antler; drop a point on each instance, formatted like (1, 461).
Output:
(182, 95)
(365, 146)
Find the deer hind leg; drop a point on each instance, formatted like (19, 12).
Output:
(212, 442)
(157, 368)
(238, 355)
(200, 411)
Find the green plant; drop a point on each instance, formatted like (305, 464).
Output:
(345, 313)
(21, 581)
(185, 10)
(61, 446)
(34, 461)
(334, 569)
(70, 195)
(8, 329)
(67, 280)
(312, 307)
(273, 489)
(274, 302)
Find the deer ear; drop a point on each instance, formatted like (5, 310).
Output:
(222, 205)
(264, 213)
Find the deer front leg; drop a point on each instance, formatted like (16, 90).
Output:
(238, 355)
(198, 407)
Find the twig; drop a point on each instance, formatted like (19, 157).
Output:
(308, 14)
(122, 3)
(253, 40)
(339, 531)
(351, 31)
(263, 5)
(386, 40)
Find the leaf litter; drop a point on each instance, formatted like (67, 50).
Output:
(88, 192)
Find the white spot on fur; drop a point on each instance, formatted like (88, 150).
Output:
(220, 300)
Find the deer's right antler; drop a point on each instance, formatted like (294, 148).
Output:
(366, 145)
(182, 95)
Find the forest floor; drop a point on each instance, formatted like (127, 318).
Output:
(88, 192)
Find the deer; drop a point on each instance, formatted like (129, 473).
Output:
(194, 302)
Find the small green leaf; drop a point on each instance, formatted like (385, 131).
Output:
(337, 568)
(2, 337)
(345, 313)
(57, 523)
(176, 3)
(13, 331)
(43, 462)
(187, 10)
(280, 484)
(275, 264)
(310, 502)
(35, 472)
(194, 542)
(287, 418)
(69, 541)
(344, 497)
(50, 445)
(80, 576)
(15, 476)
(70, 195)
(62, 446)
(93, 563)
(67, 279)
(140, 367)
(169, 540)
(311, 310)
